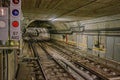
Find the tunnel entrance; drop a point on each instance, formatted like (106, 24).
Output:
(38, 30)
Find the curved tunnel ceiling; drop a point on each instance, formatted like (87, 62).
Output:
(69, 10)
(48, 25)
(41, 24)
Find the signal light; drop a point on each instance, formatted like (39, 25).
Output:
(15, 12)
(15, 16)
(15, 1)
(15, 23)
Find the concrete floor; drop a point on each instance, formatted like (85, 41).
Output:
(25, 72)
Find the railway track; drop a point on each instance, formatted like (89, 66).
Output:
(45, 66)
(69, 67)
(30, 66)
(96, 70)
(24, 69)
(51, 69)
(37, 68)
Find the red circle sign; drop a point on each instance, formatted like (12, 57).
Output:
(15, 1)
(15, 23)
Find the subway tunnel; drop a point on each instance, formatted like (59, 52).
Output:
(60, 40)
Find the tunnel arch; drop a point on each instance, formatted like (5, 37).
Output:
(41, 24)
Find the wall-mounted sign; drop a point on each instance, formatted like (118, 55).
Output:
(3, 23)
(15, 14)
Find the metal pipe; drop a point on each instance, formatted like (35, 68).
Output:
(101, 21)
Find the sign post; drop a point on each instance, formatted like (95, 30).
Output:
(3, 23)
(15, 14)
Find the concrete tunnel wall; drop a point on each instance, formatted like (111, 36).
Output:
(81, 40)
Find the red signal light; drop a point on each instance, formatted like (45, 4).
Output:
(15, 23)
(15, 1)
